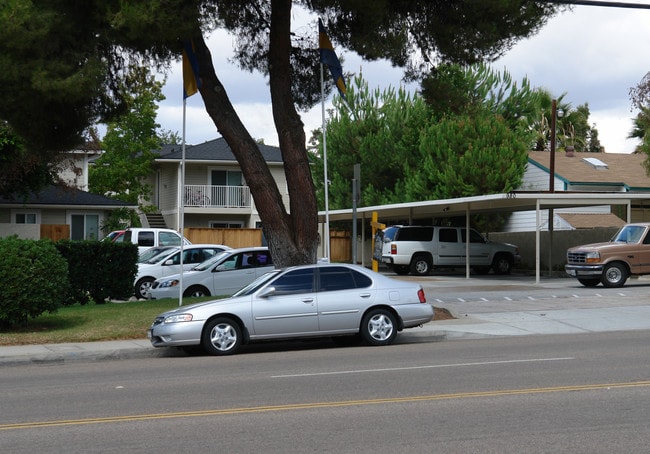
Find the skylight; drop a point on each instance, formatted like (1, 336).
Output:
(595, 163)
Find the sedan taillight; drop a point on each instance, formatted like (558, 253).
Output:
(423, 299)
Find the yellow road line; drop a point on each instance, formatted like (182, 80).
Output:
(345, 403)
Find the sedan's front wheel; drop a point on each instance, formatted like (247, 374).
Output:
(221, 336)
(142, 287)
(196, 291)
(379, 327)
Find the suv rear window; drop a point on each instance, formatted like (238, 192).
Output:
(146, 239)
(415, 234)
(389, 233)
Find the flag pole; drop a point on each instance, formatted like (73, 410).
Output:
(326, 231)
(191, 85)
(181, 204)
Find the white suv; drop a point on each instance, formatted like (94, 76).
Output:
(419, 249)
(146, 238)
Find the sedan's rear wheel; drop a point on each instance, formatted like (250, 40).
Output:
(221, 336)
(379, 327)
(196, 291)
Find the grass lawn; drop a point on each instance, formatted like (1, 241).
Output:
(101, 322)
(92, 322)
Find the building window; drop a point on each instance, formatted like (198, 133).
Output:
(84, 226)
(227, 177)
(25, 218)
(228, 189)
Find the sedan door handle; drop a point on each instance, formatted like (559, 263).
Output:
(308, 300)
(364, 295)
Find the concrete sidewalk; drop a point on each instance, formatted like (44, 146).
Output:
(467, 326)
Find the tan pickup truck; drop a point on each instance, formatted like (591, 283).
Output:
(626, 254)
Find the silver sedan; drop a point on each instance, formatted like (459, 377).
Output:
(304, 301)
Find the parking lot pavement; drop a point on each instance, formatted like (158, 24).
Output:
(483, 307)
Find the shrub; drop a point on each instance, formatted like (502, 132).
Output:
(99, 270)
(34, 279)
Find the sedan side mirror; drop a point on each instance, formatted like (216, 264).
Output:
(268, 291)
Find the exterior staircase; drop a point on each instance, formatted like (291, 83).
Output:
(156, 221)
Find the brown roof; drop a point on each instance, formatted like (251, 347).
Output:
(592, 220)
(624, 169)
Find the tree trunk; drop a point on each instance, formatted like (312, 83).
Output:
(292, 237)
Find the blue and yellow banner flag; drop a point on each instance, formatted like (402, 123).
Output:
(329, 58)
(191, 80)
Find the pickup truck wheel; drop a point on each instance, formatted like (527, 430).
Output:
(402, 270)
(502, 264)
(421, 265)
(614, 275)
(589, 282)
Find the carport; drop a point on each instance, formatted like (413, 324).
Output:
(493, 203)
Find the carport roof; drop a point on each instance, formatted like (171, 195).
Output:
(514, 201)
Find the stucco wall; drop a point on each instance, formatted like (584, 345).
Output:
(25, 231)
(562, 240)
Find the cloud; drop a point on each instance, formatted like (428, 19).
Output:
(593, 54)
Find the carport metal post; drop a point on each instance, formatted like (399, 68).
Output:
(467, 243)
(551, 185)
(538, 220)
(356, 186)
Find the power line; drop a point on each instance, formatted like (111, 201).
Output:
(600, 3)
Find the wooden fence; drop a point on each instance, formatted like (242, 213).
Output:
(340, 246)
(234, 238)
(55, 232)
(340, 241)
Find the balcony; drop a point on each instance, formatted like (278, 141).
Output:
(208, 196)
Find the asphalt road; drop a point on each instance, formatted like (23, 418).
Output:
(569, 393)
(520, 292)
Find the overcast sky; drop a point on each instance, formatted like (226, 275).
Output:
(593, 54)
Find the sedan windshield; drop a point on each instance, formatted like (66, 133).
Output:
(257, 283)
(211, 261)
(155, 254)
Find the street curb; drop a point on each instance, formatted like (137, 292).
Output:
(50, 354)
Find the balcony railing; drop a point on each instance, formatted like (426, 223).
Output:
(208, 196)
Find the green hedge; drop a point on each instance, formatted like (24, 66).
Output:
(34, 279)
(41, 276)
(99, 270)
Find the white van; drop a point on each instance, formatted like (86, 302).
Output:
(146, 238)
